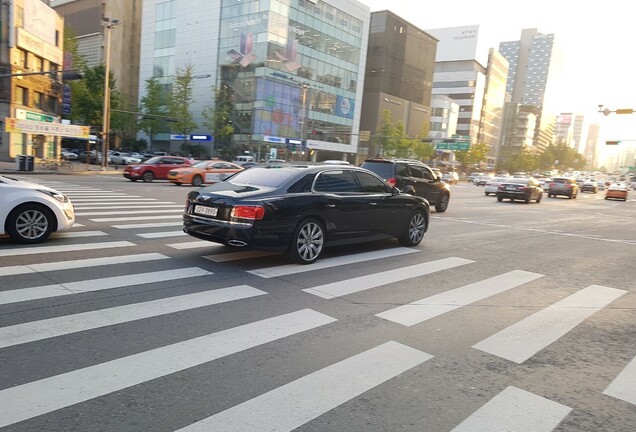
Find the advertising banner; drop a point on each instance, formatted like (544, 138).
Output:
(35, 127)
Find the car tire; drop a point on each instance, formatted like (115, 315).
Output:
(308, 242)
(443, 203)
(148, 177)
(30, 223)
(197, 180)
(414, 230)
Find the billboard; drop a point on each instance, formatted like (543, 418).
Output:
(278, 109)
(39, 20)
(456, 43)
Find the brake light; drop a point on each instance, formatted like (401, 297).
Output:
(392, 182)
(248, 212)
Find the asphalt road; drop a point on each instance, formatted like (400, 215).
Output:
(507, 317)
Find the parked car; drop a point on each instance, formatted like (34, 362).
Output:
(524, 189)
(156, 168)
(472, 176)
(69, 155)
(617, 191)
(30, 212)
(482, 180)
(302, 210)
(589, 186)
(566, 186)
(412, 177)
(204, 172)
(450, 177)
(492, 185)
(123, 158)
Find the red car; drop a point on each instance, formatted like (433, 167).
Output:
(156, 168)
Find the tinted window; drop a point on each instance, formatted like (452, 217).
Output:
(336, 181)
(383, 169)
(402, 170)
(416, 171)
(302, 185)
(262, 177)
(153, 161)
(371, 184)
(428, 174)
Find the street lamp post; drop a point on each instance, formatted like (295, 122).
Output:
(304, 116)
(108, 24)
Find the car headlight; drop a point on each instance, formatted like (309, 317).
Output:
(57, 195)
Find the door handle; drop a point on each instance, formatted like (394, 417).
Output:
(331, 205)
(373, 203)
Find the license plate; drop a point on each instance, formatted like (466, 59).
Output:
(511, 188)
(208, 211)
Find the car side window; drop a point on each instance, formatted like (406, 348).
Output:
(336, 182)
(428, 174)
(402, 170)
(416, 171)
(371, 184)
(167, 161)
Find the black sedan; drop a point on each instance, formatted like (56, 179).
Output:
(301, 210)
(524, 189)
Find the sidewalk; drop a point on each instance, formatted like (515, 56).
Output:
(77, 168)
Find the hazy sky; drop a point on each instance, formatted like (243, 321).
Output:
(598, 44)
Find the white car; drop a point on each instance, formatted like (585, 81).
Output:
(122, 158)
(492, 185)
(30, 212)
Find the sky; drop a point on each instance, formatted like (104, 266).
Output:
(597, 40)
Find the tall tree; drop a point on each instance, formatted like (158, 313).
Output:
(88, 99)
(218, 118)
(383, 139)
(154, 109)
(180, 103)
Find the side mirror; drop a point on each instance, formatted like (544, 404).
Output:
(395, 191)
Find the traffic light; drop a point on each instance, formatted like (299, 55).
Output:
(612, 142)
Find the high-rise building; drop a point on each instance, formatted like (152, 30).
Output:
(398, 78)
(591, 146)
(294, 70)
(535, 68)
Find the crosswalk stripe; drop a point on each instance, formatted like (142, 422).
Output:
(524, 339)
(40, 397)
(129, 207)
(163, 234)
(515, 410)
(66, 248)
(96, 195)
(315, 394)
(82, 263)
(79, 234)
(114, 200)
(101, 203)
(195, 245)
(362, 283)
(112, 213)
(624, 385)
(53, 327)
(68, 288)
(235, 256)
(288, 269)
(137, 218)
(149, 225)
(430, 307)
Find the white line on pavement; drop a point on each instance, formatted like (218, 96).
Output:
(112, 213)
(163, 234)
(624, 385)
(149, 225)
(78, 234)
(137, 218)
(67, 248)
(195, 245)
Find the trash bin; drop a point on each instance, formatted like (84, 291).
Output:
(30, 163)
(20, 162)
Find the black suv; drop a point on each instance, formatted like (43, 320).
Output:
(412, 177)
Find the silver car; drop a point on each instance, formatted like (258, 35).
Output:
(492, 185)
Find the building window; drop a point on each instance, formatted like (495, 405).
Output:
(23, 60)
(39, 64)
(21, 96)
(38, 100)
(19, 16)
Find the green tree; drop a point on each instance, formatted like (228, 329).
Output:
(525, 161)
(88, 99)
(218, 118)
(382, 141)
(180, 102)
(476, 154)
(154, 109)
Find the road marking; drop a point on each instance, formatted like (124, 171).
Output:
(195, 245)
(66, 248)
(524, 339)
(164, 234)
(53, 327)
(298, 402)
(112, 213)
(83, 263)
(149, 225)
(97, 195)
(624, 385)
(430, 307)
(288, 269)
(110, 206)
(78, 234)
(139, 218)
(515, 410)
(55, 290)
(114, 200)
(49, 394)
(354, 285)
(235, 256)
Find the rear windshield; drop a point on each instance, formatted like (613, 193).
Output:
(271, 177)
(384, 170)
(561, 180)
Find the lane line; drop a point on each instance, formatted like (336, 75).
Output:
(140, 206)
(149, 225)
(298, 402)
(79, 234)
(49, 394)
(82, 263)
(624, 385)
(354, 285)
(139, 218)
(91, 285)
(67, 248)
(235, 256)
(524, 339)
(112, 213)
(431, 307)
(53, 327)
(289, 269)
(195, 245)
(515, 410)
(164, 234)
(114, 200)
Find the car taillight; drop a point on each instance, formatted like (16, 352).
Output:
(523, 188)
(248, 212)
(392, 182)
(501, 187)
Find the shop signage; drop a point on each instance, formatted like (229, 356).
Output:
(42, 128)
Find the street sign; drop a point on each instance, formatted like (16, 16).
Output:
(612, 142)
(30, 115)
(200, 137)
(457, 145)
